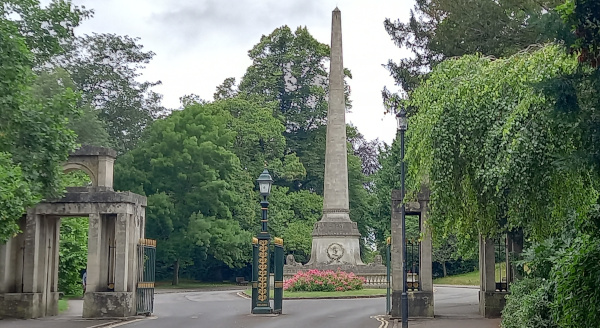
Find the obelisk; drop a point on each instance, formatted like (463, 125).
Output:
(335, 237)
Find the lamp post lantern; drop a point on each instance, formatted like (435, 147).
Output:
(402, 127)
(264, 185)
(260, 269)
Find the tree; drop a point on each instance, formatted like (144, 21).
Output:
(259, 140)
(288, 68)
(583, 18)
(509, 161)
(72, 254)
(440, 29)
(34, 135)
(186, 167)
(106, 68)
(226, 90)
(292, 215)
(90, 130)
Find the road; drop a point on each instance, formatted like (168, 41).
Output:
(215, 309)
(226, 309)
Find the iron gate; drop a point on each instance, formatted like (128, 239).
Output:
(145, 285)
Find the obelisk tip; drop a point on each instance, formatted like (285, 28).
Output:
(336, 9)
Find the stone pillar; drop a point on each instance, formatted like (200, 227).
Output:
(9, 265)
(122, 252)
(105, 171)
(121, 301)
(95, 252)
(32, 246)
(397, 254)
(421, 302)
(491, 302)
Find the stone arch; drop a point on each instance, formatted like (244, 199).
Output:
(71, 166)
(96, 162)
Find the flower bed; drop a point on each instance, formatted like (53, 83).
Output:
(323, 281)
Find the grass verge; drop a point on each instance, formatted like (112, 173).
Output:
(350, 293)
(465, 279)
(470, 278)
(63, 305)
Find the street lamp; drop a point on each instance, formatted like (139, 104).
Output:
(264, 186)
(260, 264)
(402, 127)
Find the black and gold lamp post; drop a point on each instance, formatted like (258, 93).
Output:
(261, 248)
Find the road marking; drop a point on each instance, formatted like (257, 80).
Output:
(380, 318)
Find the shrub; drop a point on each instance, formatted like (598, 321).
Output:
(323, 281)
(577, 277)
(528, 305)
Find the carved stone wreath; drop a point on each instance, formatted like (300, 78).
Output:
(335, 251)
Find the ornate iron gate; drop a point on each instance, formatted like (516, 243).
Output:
(145, 285)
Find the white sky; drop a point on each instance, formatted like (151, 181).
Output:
(199, 43)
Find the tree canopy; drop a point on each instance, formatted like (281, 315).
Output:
(34, 133)
(441, 29)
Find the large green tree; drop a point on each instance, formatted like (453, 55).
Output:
(34, 135)
(440, 29)
(193, 179)
(288, 69)
(106, 68)
(88, 127)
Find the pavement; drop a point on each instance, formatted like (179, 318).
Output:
(455, 307)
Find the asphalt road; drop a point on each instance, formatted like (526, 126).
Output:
(226, 309)
(215, 309)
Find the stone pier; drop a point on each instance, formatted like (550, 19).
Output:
(420, 301)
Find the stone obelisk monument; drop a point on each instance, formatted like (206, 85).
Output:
(335, 237)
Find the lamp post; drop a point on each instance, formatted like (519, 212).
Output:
(402, 127)
(260, 289)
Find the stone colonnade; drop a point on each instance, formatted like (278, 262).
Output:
(29, 260)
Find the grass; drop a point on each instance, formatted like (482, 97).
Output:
(63, 305)
(353, 293)
(191, 284)
(469, 279)
(465, 279)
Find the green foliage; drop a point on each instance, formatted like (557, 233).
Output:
(90, 130)
(288, 72)
(577, 302)
(529, 304)
(106, 69)
(72, 257)
(46, 29)
(486, 140)
(15, 196)
(292, 216)
(441, 29)
(34, 135)
(199, 188)
(583, 17)
(288, 68)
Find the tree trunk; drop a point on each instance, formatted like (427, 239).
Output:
(176, 273)
(444, 267)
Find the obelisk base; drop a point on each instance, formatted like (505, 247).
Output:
(335, 244)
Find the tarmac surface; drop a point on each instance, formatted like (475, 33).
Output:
(455, 307)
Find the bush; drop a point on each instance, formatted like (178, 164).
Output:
(528, 305)
(323, 281)
(577, 276)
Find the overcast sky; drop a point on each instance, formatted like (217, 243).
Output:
(199, 43)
